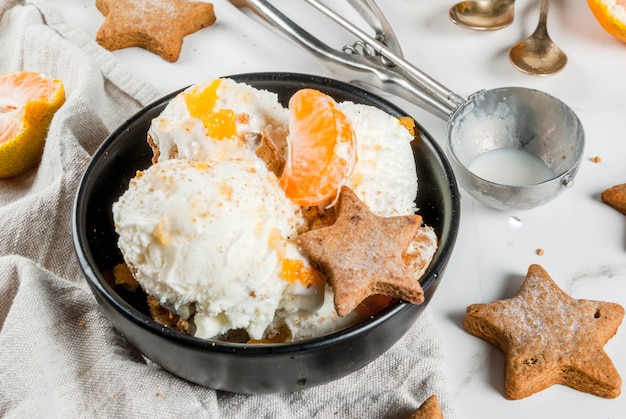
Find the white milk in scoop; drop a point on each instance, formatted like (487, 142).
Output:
(509, 166)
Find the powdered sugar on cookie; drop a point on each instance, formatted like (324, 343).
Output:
(550, 338)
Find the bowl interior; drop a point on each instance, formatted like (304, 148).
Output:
(125, 151)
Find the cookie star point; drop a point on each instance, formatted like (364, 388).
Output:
(362, 254)
(430, 409)
(615, 197)
(550, 338)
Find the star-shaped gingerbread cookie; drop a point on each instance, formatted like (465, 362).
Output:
(156, 25)
(615, 197)
(550, 338)
(362, 254)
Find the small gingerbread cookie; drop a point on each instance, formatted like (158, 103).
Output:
(165, 317)
(270, 149)
(362, 254)
(615, 197)
(550, 338)
(430, 409)
(156, 25)
(123, 277)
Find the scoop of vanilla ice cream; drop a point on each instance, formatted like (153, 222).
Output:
(178, 134)
(384, 177)
(305, 324)
(210, 239)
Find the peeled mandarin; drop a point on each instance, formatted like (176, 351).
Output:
(293, 270)
(611, 14)
(219, 124)
(321, 148)
(28, 101)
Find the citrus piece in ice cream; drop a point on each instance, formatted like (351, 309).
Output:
(321, 148)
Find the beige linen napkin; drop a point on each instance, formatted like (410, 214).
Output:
(59, 355)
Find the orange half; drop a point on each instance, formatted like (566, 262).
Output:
(611, 14)
(28, 101)
(321, 149)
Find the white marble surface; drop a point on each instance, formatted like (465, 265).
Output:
(584, 241)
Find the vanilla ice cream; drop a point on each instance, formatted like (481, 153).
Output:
(208, 231)
(229, 116)
(384, 177)
(211, 240)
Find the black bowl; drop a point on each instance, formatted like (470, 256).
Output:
(245, 368)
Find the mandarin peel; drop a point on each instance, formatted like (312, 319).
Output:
(611, 14)
(28, 102)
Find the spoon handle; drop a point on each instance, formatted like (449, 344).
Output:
(543, 15)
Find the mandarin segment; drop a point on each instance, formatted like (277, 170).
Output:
(28, 101)
(219, 124)
(321, 149)
(293, 270)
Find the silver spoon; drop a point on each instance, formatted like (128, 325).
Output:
(483, 15)
(537, 54)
